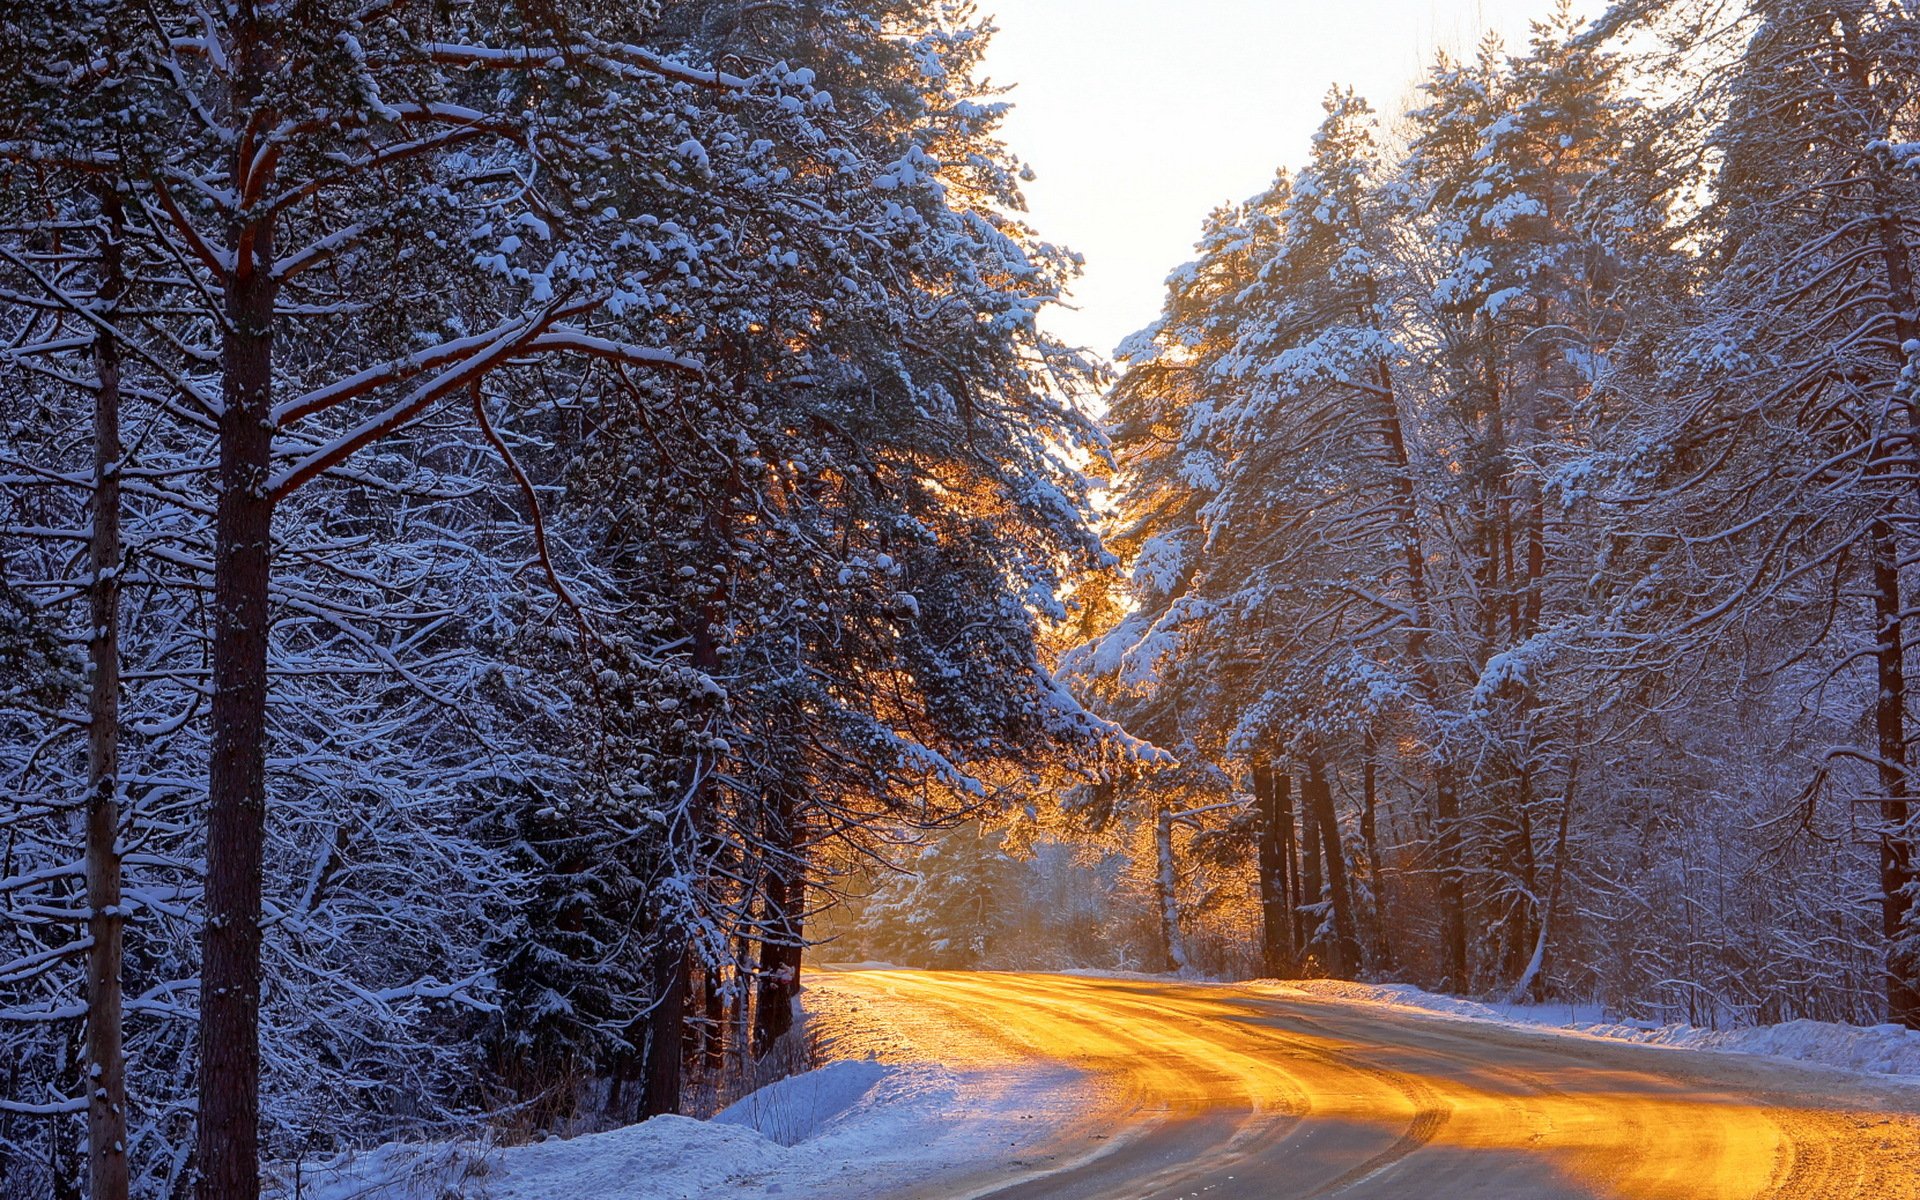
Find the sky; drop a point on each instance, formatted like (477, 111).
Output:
(1140, 116)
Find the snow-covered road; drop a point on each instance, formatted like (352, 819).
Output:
(1220, 1092)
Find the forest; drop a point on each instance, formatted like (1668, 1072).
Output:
(526, 523)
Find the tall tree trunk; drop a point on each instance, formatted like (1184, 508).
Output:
(106, 1066)
(1896, 852)
(1167, 884)
(661, 1058)
(713, 1037)
(1897, 849)
(1519, 914)
(1290, 846)
(1446, 796)
(1344, 957)
(1370, 838)
(783, 940)
(227, 1123)
(1276, 917)
(1530, 977)
(1312, 886)
(1452, 885)
(228, 1126)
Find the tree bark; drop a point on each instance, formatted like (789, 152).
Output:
(1167, 884)
(783, 939)
(1530, 977)
(106, 1066)
(64, 1167)
(1896, 852)
(1312, 885)
(1344, 955)
(227, 1123)
(1370, 839)
(228, 1126)
(1519, 915)
(662, 1061)
(713, 1033)
(1290, 846)
(1897, 849)
(1276, 915)
(1452, 887)
(1446, 797)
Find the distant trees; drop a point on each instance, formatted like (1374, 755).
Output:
(1523, 522)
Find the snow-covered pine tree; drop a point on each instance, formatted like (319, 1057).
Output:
(1513, 334)
(868, 525)
(1150, 658)
(1795, 434)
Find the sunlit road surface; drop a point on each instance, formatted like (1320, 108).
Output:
(1217, 1093)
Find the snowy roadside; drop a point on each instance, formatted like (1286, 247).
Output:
(885, 1116)
(1874, 1049)
(880, 1119)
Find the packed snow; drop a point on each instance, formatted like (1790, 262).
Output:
(874, 1123)
(808, 1135)
(877, 1122)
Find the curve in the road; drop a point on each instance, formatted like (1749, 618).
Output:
(1217, 1093)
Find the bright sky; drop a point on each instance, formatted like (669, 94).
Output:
(1142, 115)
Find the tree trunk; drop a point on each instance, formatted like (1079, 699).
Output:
(1312, 886)
(1452, 888)
(64, 1168)
(1344, 956)
(228, 1125)
(1290, 846)
(783, 940)
(1530, 977)
(716, 1044)
(1520, 915)
(661, 1060)
(1896, 852)
(1276, 916)
(1896, 838)
(106, 1067)
(1446, 804)
(1370, 838)
(740, 1004)
(1167, 883)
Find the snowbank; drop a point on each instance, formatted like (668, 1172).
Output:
(855, 1128)
(806, 1136)
(1883, 1049)
(800, 1107)
(1400, 995)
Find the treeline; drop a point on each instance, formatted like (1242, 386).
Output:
(498, 502)
(1518, 516)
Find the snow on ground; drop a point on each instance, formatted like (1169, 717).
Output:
(838, 1131)
(1883, 1049)
(872, 1123)
(885, 1115)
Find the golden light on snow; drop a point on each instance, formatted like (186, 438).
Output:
(1327, 1095)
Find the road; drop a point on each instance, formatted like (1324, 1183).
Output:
(1209, 1092)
